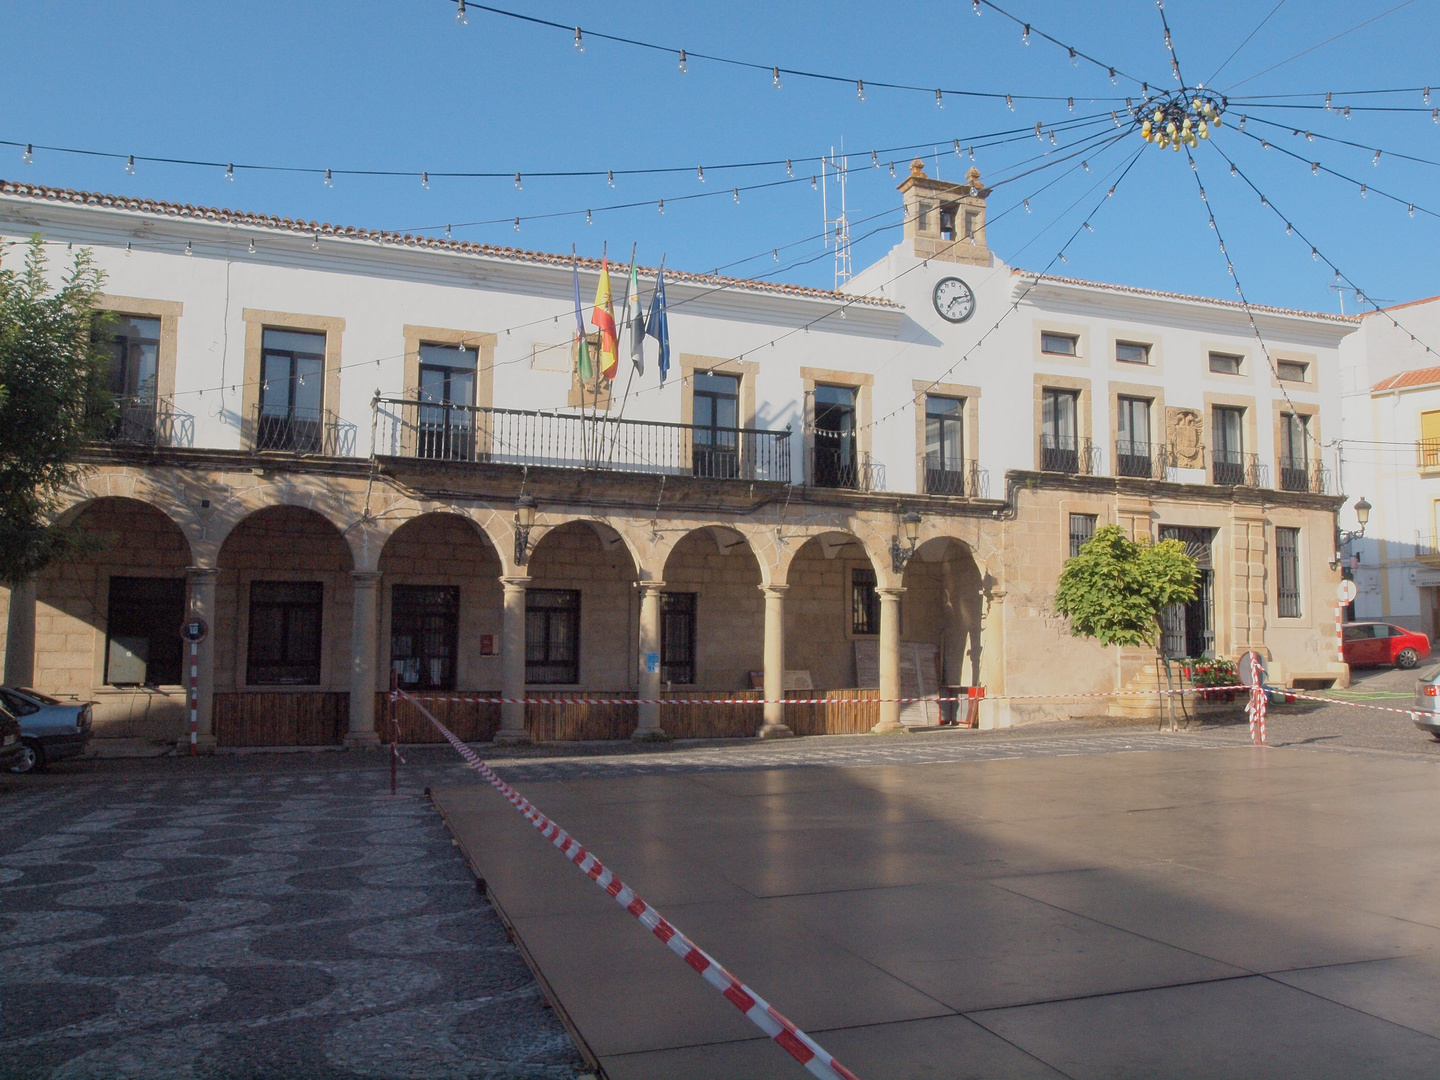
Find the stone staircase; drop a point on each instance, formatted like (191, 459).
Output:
(1142, 701)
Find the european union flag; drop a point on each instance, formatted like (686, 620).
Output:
(657, 325)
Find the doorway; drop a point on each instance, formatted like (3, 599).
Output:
(1188, 630)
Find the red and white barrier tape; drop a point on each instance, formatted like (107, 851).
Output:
(763, 1015)
(1255, 709)
(1414, 714)
(436, 698)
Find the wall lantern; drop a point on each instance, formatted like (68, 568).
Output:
(1344, 539)
(524, 520)
(900, 555)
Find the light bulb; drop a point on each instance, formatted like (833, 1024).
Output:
(1175, 146)
(447, 232)
(812, 184)
(1435, 116)
(789, 169)
(130, 165)
(460, 15)
(775, 254)
(1314, 168)
(892, 168)
(579, 41)
(1314, 255)
(1362, 191)
(1074, 58)
(230, 173)
(1112, 78)
(251, 246)
(1085, 165)
(1347, 112)
(1204, 130)
(700, 173)
(1289, 228)
(939, 100)
(127, 249)
(1072, 104)
(516, 226)
(971, 151)
(736, 194)
(874, 160)
(1202, 195)
(1412, 209)
(315, 242)
(188, 249)
(1159, 115)
(1027, 206)
(684, 65)
(1264, 201)
(518, 185)
(860, 89)
(1115, 117)
(1009, 103)
(1308, 136)
(329, 182)
(610, 177)
(29, 156)
(1039, 130)
(957, 147)
(1242, 121)
(662, 206)
(1063, 259)
(1052, 138)
(1327, 100)
(775, 77)
(1086, 224)
(1145, 130)
(1110, 194)
(1377, 158)
(1025, 37)
(425, 180)
(977, 6)
(588, 219)
(1234, 171)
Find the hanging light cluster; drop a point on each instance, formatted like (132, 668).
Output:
(1183, 117)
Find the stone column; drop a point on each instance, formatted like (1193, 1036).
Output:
(364, 587)
(648, 720)
(889, 660)
(512, 663)
(20, 635)
(201, 586)
(774, 723)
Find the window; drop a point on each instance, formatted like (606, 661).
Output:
(1294, 452)
(864, 603)
(1131, 352)
(1362, 632)
(1226, 363)
(1059, 442)
(717, 422)
(447, 393)
(836, 461)
(1292, 370)
(424, 628)
(1060, 344)
(1132, 446)
(1082, 528)
(947, 223)
(142, 626)
(677, 637)
(285, 621)
(1229, 455)
(134, 347)
(972, 224)
(552, 636)
(944, 445)
(1287, 572)
(1430, 440)
(292, 391)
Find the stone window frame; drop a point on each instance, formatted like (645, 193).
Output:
(1311, 362)
(1079, 332)
(746, 370)
(1154, 365)
(1084, 407)
(1300, 605)
(1247, 361)
(483, 343)
(969, 421)
(335, 583)
(1311, 412)
(167, 356)
(1249, 427)
(256, 322)
(1155, 392)
(1315, 609)
(863, 384)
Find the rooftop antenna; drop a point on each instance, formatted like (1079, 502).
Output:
(837, 229)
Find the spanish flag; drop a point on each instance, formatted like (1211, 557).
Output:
(604, 319)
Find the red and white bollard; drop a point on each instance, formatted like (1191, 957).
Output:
(194, 697)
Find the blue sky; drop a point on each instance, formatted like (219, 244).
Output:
(371, 85)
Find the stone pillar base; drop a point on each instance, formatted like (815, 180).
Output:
(774, 731)
(890, 727)
(994, 713)
(511, 738)
(650, 735)
(204, 744)
(361, 740)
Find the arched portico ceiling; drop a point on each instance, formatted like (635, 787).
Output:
(77, 510)
(939, 549)
(727, 540)
(440, 518)
(834, 544)
(264, 515)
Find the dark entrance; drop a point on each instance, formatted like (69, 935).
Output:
(1189, 629)
(834, 447)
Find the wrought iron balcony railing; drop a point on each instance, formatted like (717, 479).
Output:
(481, 435)
(1427, 453)
(966, 478)
(841, 466)
(1308, 476)
(301, 431)
(1068, 454)
(144, 421)
(1139, 459)
(1232, 468)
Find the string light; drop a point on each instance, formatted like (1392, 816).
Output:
(130, 165)
(127, 249)
(1377, 158)
(29, 156)
(516, 226)
(1327, 102)
(518, 185)
(1362, 191)
(460, 16)
(788, 170)
(1314, 168)
(1085, 165)
(977, 7)
(939, 100)
(188, 249)
(874, 160)
(329, 181)
(860, 89)
(579, 41)
(1039, 130)
(230, 172)
(251, 246)
(700, 173)
(425, 180)
(1025, 37)
(892, 168)
(1112, 78)
(588, 219)
(736, 194)
(1027, 206)
(1115, 117)
(684, 66)
(447, 232)
(1074, 58)
(315, 243)
(812, 184)
(775, 77)
(610, 177)
(1009, 103)
(662, 207)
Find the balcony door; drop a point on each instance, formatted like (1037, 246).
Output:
(717, 421)
(292, 392)
(1189, 629)
(446, 422)
(1229, 455)
(1294, 452)
(836, 457)
(944, 443)
(1059, 433)
(1132, 444)
(134, 347)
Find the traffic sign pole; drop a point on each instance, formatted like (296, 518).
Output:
(194, 698)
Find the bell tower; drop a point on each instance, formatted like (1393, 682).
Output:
(945, 221)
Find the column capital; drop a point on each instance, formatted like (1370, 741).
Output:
(517, 583)
(777, 591)
(200, 573)
(890, 592)
(650, 586)
(364, 579)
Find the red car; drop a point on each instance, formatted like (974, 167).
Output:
(1382, 643)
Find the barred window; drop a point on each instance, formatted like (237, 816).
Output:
(1082, 528)
(864, 603)
(677, 637)
(1287, 571)
(552, 636)
(285, 625)
(143, 644)
(424, 627)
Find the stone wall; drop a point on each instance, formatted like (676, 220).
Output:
(574, 557)
(729, 607)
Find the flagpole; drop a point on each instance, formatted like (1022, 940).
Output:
(624, 321)
(584, 422)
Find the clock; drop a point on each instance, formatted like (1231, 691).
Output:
(954, 300)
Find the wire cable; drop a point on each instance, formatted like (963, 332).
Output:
(1242, 44)
(1312, 48)
(1376, 150)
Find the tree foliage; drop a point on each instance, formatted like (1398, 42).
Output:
(1115, 589)
(54, 378)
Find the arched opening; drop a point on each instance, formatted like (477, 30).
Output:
(940, 623)
(712, 642)
(581, 619)
(832, 634)
(107, 620)
(283, 601)
(440, 623)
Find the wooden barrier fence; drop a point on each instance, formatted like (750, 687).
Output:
(310, 718)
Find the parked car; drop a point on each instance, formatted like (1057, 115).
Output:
(1381, 643)
(11, 748)
(49, 729)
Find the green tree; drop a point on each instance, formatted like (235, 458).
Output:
(54, 377)
(1115, 589)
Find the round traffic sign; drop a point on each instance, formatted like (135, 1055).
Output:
(1246, 668)
(194, 630)
(1345, 592)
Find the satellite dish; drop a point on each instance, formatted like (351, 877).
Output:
(1246, 665)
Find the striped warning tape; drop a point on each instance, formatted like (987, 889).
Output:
(760, 1012)
(1414, 714)
(439, 698)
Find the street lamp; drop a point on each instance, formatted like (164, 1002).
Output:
(899, 554)
(524, 520)
(1362, 515)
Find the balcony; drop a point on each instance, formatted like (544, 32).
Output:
(1427, 454)
(1232, 468)
(301, 431)
(842, 467)
(1307, 476)
(1068, 454)
(480, 435)
(967, 480)
(1142, 460)
(143, 421)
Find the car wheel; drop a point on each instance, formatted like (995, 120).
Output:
(32, 758)
(1406, 659)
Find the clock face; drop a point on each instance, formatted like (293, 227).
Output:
(954, 300)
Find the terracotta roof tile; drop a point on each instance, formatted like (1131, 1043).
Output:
(1234, 304)
(1418, 377)
(462, 247)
